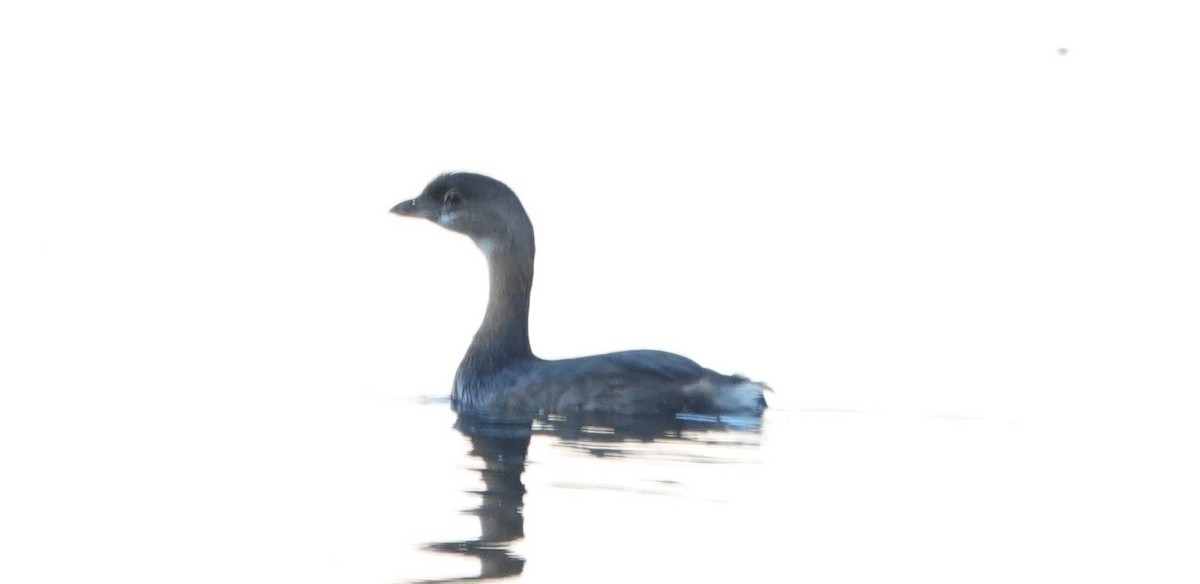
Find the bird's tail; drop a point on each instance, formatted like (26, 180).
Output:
(743, 395)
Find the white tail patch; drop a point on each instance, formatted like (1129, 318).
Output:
(742, 396)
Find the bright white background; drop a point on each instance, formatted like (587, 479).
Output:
(909, 207)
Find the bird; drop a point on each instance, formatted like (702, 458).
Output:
(499, 374)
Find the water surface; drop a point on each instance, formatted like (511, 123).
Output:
(829, 494)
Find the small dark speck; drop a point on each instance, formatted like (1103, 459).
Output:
(1062, 50)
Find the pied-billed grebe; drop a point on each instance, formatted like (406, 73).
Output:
(500, 373)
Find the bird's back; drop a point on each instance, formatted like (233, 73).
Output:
(628, 382)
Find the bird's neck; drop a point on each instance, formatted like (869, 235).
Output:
(503, 338)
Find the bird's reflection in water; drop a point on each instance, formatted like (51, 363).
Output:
(503, 443)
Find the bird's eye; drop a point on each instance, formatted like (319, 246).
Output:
(452, 199)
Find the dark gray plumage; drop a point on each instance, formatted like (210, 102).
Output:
(500, 373)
